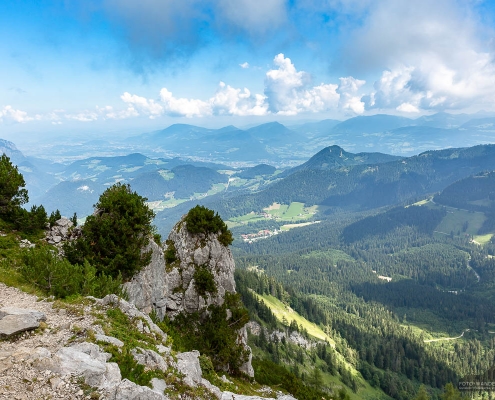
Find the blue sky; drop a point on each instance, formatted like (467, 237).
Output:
(128, 65)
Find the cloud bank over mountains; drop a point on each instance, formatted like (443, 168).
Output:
(345, 58)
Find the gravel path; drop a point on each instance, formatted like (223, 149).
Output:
(19, 378)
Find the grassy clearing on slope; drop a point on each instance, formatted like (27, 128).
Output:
(483, 239)
(455, 219)
(281, 311)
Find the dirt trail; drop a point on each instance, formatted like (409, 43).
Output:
(446, 338)
(19, 377)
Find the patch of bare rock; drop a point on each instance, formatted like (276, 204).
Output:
(52, 360)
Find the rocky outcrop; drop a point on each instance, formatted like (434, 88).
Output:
(192, 252)
(63, 230)
(16, 320)
(233, 396)
(167, 284)
(149, 290)
(131, 311)
(170, 289)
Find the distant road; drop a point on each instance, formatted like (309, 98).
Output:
(446, 338)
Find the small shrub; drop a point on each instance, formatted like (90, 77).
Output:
(170, 254)
(203, 220)
(212, 333)
(58, 277)
(204, 281)
(54, 217)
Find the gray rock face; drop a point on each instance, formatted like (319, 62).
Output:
(173, 292)
(61, 231)
(188, 364)
(86, 360)
(247, 367)
(193, 251)
(149, 358)
(148, 289)
(128, 390)
(17, 320)
(170, 290)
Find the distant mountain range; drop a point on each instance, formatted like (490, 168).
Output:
(276, 143)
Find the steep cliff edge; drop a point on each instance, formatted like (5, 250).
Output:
(194, 272)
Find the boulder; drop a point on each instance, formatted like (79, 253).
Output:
(109, 340)
(149, 358)
(127, 390)
(188, 365)
(16, 320)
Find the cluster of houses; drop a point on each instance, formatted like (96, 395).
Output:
(263, 234)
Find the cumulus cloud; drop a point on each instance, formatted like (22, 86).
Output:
(10, 114)
(289, 92)
(244, 65)
(350, 99)
(232, 101)
(432, 55)
(145, 106)
(183, 107)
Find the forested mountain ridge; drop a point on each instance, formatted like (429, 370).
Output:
(368, 186)
(333, 157)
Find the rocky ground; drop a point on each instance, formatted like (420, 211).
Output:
(19, 378)
(56, 360)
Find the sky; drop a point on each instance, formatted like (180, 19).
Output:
(121, 66)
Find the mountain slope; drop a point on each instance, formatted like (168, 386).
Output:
(372, 124)
(334, 157)
(369, 186)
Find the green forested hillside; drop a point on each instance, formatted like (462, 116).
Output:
(409, 305)
(368, 186)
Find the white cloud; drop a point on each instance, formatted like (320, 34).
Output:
(109, 113)
(350, 99)
(10, 114)
(231, 101)
(408, 108)
(145, 106)
(432, 53)
(289, 91)
(84, 116)
(244, 65)
(183, 107)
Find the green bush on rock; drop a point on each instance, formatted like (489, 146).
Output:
(204, 281)
(203, 220)
(114, 237)
(214, 333)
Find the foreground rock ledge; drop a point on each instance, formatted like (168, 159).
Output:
(16, 320)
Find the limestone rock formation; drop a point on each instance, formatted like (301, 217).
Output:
(148, 290)
(61, 231)
(167, 284)
(193, 252)
(16, 320)
(170, 289)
